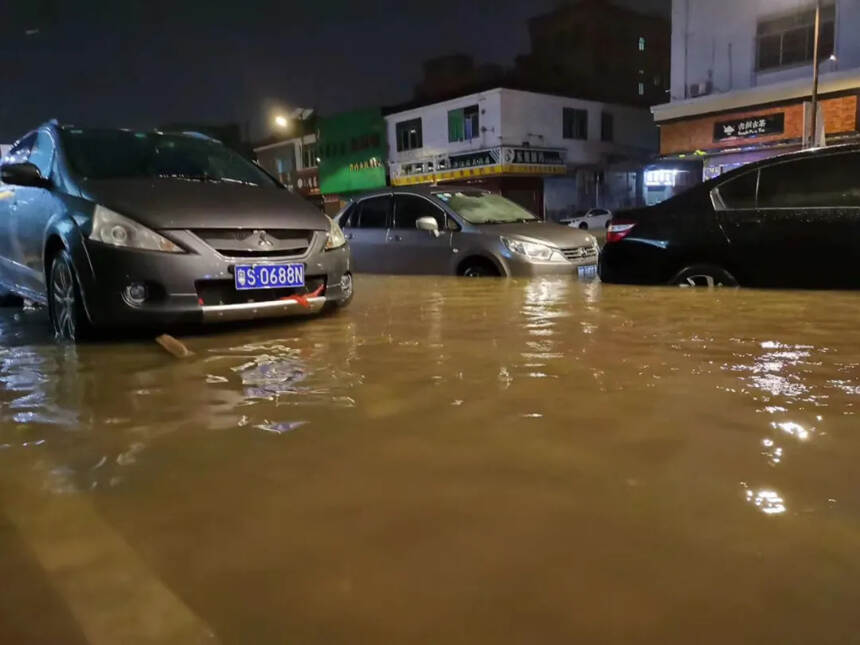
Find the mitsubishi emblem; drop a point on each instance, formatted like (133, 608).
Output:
(263, 240)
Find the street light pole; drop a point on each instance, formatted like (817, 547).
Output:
(814, 108)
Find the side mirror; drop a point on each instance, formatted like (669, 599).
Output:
(428, 224)
(22, 174)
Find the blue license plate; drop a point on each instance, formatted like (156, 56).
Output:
(269, 276)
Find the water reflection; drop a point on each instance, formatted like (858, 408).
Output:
(469, 436)
(768, 502)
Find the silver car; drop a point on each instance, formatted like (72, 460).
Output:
(460, 230)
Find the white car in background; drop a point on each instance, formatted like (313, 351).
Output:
(594, 219)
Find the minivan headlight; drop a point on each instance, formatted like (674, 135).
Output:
(336, 238)
(116, 230)
(533, 250)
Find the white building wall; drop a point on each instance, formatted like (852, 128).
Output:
(715, 40)
(511, 117)
(537, 119)
(434, 126)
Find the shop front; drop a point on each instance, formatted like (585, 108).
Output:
(724, 139)
(518, 173)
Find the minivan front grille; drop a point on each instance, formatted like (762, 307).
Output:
(580, 252)
(257, 243)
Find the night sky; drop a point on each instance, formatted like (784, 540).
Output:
(140, 63)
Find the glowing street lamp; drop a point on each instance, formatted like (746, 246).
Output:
(281, 121)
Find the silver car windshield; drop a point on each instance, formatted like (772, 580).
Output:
(481, 207)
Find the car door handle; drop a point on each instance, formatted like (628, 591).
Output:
(398, 238)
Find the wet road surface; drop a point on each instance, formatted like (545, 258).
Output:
(447, 461)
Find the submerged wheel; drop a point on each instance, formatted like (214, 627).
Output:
(704, 275)
(65, 306)
(583, 226)
(478, 268)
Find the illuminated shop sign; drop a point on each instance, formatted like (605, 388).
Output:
(662, 177)
(757, 126)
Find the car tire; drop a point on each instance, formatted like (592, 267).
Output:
(583, 226)
(478, 268)
(65, 306)
(704, 275)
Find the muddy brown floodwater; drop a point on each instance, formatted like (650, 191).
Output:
(447, 461)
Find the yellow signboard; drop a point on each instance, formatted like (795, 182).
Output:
(471, 173)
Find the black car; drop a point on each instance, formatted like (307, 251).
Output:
(124, 228)
(789, 221)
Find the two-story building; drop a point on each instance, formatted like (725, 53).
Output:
(552, 154)
(742, 76)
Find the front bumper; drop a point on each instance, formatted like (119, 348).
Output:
(519, 267)
(173, 284)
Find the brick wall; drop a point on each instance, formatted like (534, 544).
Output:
(840, 116)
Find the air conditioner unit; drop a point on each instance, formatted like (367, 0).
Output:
(701, 89)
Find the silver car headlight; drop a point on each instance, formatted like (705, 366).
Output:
(533, 250)
(336, 238)
(116, 230)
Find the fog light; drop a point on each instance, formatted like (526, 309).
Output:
(136, 293)
(346, 284)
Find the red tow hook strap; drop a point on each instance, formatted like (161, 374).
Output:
(303, 300)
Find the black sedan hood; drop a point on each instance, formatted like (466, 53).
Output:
(177, 203)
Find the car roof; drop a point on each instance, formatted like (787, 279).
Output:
(788, 156)
(427, 190)
(183, 133)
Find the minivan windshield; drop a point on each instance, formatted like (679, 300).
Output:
(482, 207)
(123, 154)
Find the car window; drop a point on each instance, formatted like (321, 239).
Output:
(409, 208)
(349, 217)
(42, 152)
(814, 182)
(20, 151)
(738, 193)
(482, 207)
(374, 212)
(123, 154)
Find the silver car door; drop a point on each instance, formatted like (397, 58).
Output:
(418, 252)
(367, 232)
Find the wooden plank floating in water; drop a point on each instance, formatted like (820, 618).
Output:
(174, 346)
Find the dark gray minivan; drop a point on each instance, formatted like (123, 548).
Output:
(122, 228)
(460, 230)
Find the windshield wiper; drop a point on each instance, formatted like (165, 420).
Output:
(204, 177)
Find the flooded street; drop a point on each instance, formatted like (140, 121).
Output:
(446, 461)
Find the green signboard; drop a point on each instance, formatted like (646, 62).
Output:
(352, 151)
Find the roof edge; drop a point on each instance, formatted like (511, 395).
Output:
(830, 83)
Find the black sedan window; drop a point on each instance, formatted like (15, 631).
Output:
(828, 181)
(738, 193)
(121, 154)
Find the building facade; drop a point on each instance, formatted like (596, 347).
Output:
(352, 152)
(295, 162)
(552, 154)
(742, 80)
